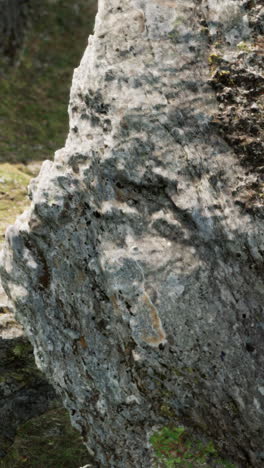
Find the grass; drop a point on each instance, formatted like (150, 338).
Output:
(48, 441)
(34, 123)
(35, 93)
(176, 447)
(13, 191)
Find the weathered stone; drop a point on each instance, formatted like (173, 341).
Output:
(238, 80)
(136, 272)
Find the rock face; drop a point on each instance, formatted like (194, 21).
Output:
(137, 270)
(237, 77)
(13, 20)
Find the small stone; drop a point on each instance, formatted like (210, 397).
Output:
(254, 107)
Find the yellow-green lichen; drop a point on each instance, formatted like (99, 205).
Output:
(214, 58)
(13, 191)
(165, 410)
(245, 46)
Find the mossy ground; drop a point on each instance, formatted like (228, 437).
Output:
(176, 447)
(48, 441)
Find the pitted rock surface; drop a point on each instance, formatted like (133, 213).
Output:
(135, 273)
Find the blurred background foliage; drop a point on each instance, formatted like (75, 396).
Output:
(34, 95)
(34, 92)
(47, 441)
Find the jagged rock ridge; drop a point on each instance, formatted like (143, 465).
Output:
(136, 272)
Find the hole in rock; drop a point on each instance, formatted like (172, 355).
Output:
(250, 348)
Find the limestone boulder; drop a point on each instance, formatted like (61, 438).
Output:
(137, 271)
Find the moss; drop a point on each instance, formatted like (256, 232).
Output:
(244, 46)
(175, 447)
(22, 350)
(217, 44)
(224, 72)
(173, 35)
(232, 408)
(204, 30)
(165, 410)
(185, 372)
(214, 58)
(178, 372)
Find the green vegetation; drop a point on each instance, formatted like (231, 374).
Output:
(175, 447)
(34, 94)
(245, 46)
(34, 123)
(48, 441)
(13, 191)
(214, 58)
(22, 350)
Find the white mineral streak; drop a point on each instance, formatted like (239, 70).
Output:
(140, 271)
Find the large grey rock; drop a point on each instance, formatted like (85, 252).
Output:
(137, 271)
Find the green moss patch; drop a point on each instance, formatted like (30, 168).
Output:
(176, 447)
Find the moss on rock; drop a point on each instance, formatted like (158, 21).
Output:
(176, 447)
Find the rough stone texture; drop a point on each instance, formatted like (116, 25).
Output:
(238, 80)
(13, 20)
(137, 270)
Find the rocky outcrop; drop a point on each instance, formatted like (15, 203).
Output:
(24, 390)
(13, 20)
(34, 425)
(137, 270)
